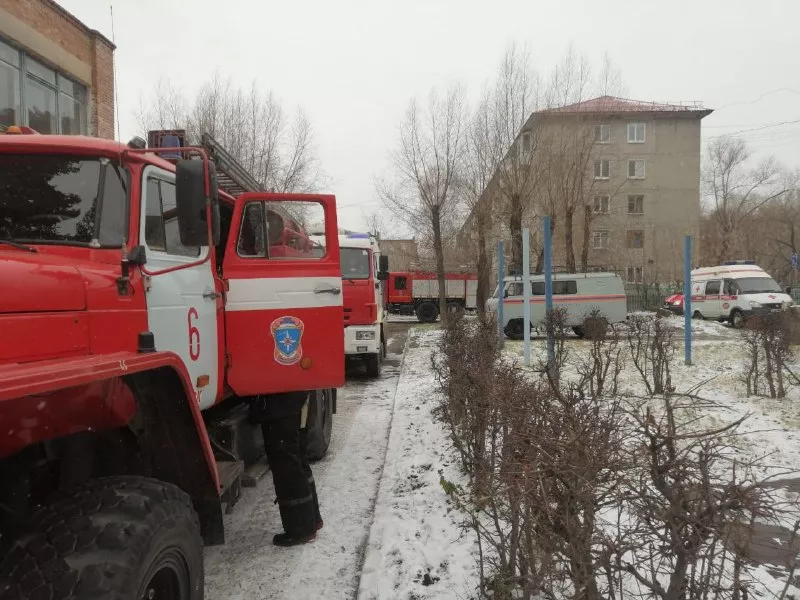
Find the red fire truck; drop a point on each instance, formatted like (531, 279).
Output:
(417, 292)
(363, 270)
(142, 311)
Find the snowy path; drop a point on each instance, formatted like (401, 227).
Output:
(417, 548)
(249, 567)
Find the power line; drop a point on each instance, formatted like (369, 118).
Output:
(761, 97)
(767, 126)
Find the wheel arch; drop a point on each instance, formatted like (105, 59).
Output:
(95, 395)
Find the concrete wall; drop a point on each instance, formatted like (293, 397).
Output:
(51, 34)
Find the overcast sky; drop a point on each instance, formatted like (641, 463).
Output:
(353, 65)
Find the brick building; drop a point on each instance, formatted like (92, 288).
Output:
(56, 74)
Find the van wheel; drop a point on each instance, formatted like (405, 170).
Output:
(697, 315)
(515, 329)
(427, 312)
(319, 424)
(118, 537)
(737, 319)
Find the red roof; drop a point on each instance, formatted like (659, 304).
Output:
(611, 104)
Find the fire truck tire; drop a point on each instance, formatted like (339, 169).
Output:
(427, 312)
(118, 538)
(373, 364)
(320, 424)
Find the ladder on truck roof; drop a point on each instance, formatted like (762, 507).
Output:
(232, 177)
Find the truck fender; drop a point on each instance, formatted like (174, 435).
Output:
(151, 377)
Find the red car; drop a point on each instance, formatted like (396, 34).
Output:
(674, 304)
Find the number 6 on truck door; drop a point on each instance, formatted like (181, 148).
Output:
(283, 310)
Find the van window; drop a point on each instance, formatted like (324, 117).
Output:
(565, 287)
(712, 288)
(730, 287)
(560, 288)
(514, 289)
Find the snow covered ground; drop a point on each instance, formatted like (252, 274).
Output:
(391, 532)
(417, 548)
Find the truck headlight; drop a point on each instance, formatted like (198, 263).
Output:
(754, 304)
(365, 335)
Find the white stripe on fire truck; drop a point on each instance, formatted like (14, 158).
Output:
(282, 293)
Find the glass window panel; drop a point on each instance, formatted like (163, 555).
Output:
(9, 54)
(39, 70)
(76, 90)
(41, 105)
(72, 119)
(9, 96)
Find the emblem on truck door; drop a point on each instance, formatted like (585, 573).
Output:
(288, 334)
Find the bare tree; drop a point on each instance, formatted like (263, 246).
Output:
(480, 163)
(375, 223)
(424, 190)
(277, 150)
(736, 191)
(515, 98)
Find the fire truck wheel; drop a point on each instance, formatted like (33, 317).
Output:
(373, 364)
(120, 538)
(320, 424)
(427, 312)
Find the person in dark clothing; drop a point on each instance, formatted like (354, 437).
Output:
(283, 423)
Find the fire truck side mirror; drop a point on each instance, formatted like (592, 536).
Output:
(190, 199)
(382, 275)
(383, 267)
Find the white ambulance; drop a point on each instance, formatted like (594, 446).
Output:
(579, 293)
(734, 291)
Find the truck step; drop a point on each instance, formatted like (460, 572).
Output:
(254, 473)
(230, 482)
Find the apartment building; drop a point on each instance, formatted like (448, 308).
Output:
(638, 192)
(56, 74)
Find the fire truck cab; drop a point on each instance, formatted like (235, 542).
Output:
(144, 314)
(364, 269)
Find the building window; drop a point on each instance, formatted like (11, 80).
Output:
(636, 132)
(601, 205)
(635, 238)
(602, 134)
(636, 169)
(636, 205)
(600, 239)
(35, 95)
(602, 169)
(635, 275)
(526, 142)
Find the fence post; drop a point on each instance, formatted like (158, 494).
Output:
(687, 299)
(548, 289)
(501, 273)
(526, 293)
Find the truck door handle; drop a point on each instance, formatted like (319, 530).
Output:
(211, 295)
(328, 290)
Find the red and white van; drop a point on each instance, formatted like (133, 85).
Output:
(734, 291)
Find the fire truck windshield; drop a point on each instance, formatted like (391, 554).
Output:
(355, 263)
(48, 198)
